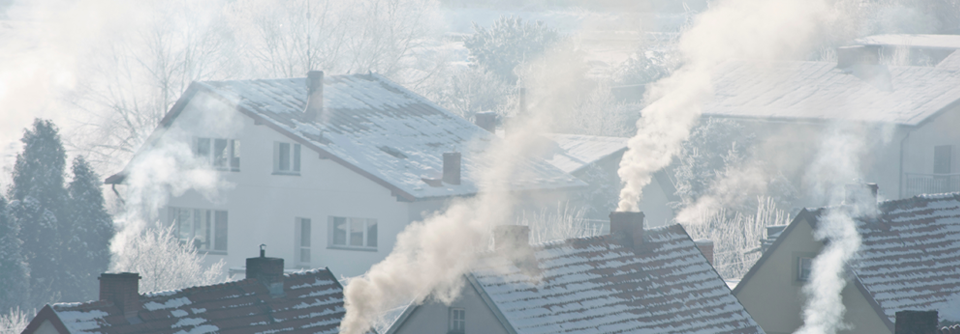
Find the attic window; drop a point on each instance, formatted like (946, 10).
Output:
(392, 151)
(804, 267)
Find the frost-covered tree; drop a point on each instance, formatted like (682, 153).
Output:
(600, 114)
(41, 248)
(88, 247)
(646, 66)
(564, 222)
(508, 43)
(39, 169)
(713, 145)
(15, 321)
(14, 276)
(472, 90)
(164, 263)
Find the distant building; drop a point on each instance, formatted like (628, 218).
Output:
(908, 260)
(904, 117)
(916, 49)
(331, 167)
(267, 301)
(631, 281)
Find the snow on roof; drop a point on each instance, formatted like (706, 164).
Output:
(910, 257)
(578, 151)
(312, 301)
(951, 61)
(385, 130)
(821, 91)
(598, 285)
(913, 40)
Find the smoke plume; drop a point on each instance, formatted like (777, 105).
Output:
(731, 29)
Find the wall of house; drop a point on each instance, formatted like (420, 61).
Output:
(46, 328)
(775, 299)
(262, 207)
(919, 145)
(433, 317)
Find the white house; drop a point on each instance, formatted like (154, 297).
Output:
(630, 281)
(904, 117)
(908, 260)
(324, 170)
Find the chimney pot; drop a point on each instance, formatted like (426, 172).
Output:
(628, 226)
(706, 248)
(123, 289)
(486, 120)
(267, 270)
(858, 55)
(451, 168)
(916, 322)
(314, 108)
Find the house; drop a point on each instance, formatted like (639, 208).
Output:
(332, 168)
(595, 160)
(267, 301)
(916, 49)
(908, 260)
(903, 116)
(630, 281)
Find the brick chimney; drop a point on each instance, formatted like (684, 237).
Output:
(451, 168)
(628, 226)
(486, 120)
(862, 198)
(314, 108)
(515, 241)
(917, 322)
(706, 248)
(123, 289)
(858, 55)
(267, 270)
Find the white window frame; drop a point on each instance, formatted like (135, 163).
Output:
(214, 225)
(294, 156)
(303, 240)
(369, 234)
(804, 276)
(229, 162)
(457, 320)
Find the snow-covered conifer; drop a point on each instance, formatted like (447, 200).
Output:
(41, 240)
(14, 284)
(88, 249)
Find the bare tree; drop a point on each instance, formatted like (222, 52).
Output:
(164, 263)
(15, 321)
(565, 223)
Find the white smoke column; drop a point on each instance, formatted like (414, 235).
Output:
(837, 164)
(730, 29)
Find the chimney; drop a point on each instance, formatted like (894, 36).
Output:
(862, 197)
(916, 322)
(123, 289)
(628, 226)
(314, 109)
(706, 248)
(515, 241)
(486, 120)
(451, 168)
(267, 270)
(858, 55)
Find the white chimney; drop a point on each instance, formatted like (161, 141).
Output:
(314, 109)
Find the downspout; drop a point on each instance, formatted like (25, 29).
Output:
(902, 143)
(114, 187)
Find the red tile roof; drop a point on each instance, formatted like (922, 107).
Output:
(312, 302)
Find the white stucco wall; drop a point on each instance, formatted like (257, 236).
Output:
(432, 317)
(774, 297)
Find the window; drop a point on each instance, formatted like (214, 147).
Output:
(223, 154)
(458, 320)
(941, 159)
(286, 158)
(204, 229)
(359, 233)
(302, 241)
(804, 265)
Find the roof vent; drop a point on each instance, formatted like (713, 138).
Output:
(451, 168)
(314, 109)
(628, 226)
(267, 270)
(123, 289)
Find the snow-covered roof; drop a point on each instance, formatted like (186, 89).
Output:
(312, 302)
(578, 151)
(913, 40)
(600, 285)
(951, 61)
(909, 258)
(385, 132)
(821, 91)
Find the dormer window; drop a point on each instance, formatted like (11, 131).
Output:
(286, 158)
(221, 153)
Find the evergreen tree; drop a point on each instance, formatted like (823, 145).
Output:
(39, 170)
(88, 249)
(14, 279)
(41, 241)
(507, 43)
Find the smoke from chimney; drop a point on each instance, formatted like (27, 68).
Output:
(313, 112)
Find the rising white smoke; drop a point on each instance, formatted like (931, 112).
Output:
(730, 29)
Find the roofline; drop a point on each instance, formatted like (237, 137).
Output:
(45, 314)
(812, 120)
(805, 215)
(490, 304)
(402, 318)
